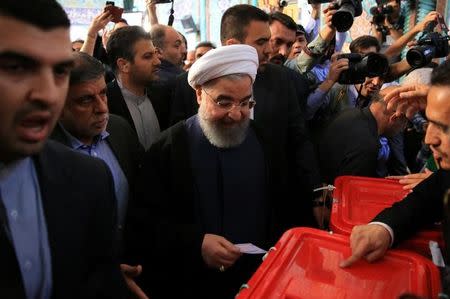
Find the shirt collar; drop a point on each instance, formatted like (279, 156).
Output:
(7, 169)
(130, 95)
(353, 91)
(75, 143)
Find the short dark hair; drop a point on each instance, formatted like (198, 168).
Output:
(121, 44)
(206, 44)
(86, 68)
(440, 75)
(158, 34)
(236, 18)
(45, 14)
(284, 19)
(364, 42)
(300, 30)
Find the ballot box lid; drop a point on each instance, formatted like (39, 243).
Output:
(304, 264)
(357, 200)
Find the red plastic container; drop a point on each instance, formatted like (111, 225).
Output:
(305, 265)
(357, 200)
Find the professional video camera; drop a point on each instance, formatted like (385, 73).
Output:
(431, 45)
(347, 10)
(362, 66)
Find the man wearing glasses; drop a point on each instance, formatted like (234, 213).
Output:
(208, 184)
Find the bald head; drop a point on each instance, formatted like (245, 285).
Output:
(169, 42)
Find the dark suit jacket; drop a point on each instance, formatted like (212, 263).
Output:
(163, 232)
(278, 112)
(421, 208)
(123, 142)
(159, 97)
(350, 145)
(79, 207)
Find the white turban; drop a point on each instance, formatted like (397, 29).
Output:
(226, 60)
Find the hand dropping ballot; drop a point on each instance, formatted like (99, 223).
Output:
(249, 248)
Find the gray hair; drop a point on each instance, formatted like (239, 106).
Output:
(86, 68)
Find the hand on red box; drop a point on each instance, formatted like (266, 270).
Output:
(369, 242)
(411, 180)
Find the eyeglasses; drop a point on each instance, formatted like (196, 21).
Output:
(228, 105)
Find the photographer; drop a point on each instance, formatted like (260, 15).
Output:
(388, 19)
(331, 98)
(400, 43)
(317, 48)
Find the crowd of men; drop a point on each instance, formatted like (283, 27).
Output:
(133, 168)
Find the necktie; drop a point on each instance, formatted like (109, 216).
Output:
(384, 151)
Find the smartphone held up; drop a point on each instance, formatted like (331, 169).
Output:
(115, 11)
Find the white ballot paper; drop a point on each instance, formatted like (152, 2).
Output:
(249, 248)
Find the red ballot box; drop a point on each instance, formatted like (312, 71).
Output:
(357, 200)
(304, 264)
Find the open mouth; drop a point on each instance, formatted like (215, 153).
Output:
(35, 127)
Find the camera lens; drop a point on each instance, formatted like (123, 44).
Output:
(342, 19)
(420, 56)
(282, 3)
(388, 9)
(377, 65)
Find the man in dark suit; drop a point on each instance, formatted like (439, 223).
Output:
(277, 111)
(350, 145)
(426, 203)
(57, 207)
(86, 126)
(135, 62)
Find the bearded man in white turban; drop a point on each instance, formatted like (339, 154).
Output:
(206, 186)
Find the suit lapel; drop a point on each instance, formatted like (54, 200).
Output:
(117, 143)
(260, 92)
(117, 104)
(11, 285)
(60, 136)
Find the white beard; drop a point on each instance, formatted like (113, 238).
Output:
(219, 136)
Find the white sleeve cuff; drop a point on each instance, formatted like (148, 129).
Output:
(388, 228)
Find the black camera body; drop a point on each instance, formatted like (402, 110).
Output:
(163, 1)
(362, 66)
(430, 45)
(380, 12)
(347, 10)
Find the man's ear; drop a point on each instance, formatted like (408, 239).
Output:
(198, 93)
(394, 117)
(231, 41)
(123, 65)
